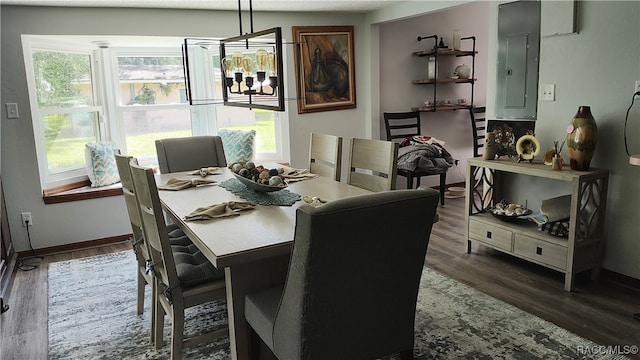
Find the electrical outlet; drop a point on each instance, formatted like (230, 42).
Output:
(26, 219)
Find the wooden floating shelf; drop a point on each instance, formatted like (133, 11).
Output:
(449, 52)
(440, 108)
(442, 81)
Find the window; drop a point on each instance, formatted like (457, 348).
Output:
(65, 110)
(131, 94)
(206, 63)
(150, 100)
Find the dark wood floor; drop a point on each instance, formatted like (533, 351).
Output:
(599, 311)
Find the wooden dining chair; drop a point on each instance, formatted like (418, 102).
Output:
(352, 284)
(138, 243)
(182, 278)
(399, 126)
(373, 164)
(325, 155)
(189, 153)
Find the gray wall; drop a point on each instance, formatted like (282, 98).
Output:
(595, 67)
(598, 67)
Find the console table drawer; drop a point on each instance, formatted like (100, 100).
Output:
(491, 235)
(540, 251)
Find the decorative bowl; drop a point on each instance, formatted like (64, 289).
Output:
(510, 217)
(506, 211)
(252, 185)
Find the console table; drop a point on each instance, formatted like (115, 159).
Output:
(580, 251)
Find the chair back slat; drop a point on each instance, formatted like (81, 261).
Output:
(372, 164)
(325, 155)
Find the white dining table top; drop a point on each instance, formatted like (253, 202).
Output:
(254, 234)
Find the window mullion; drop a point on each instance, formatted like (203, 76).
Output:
(101, 97)
(106, 84)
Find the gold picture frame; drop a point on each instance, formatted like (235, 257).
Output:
(325, 68)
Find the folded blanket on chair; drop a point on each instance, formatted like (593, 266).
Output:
(425, 157)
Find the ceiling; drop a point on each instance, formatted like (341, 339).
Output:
(258, 5)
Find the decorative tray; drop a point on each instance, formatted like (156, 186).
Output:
(509, 212)
(252, 185)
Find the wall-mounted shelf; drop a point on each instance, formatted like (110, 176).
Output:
(440, 108)
(441, 79)
(448, 52)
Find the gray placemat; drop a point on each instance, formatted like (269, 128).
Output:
(282, 197)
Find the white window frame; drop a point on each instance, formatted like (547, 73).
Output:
(31, 43)
(115, 105)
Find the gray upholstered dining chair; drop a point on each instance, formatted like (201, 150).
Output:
(183, 276)
(373, 164)
(325, 155)
(189, 153)
(352, 284)
(143, 258)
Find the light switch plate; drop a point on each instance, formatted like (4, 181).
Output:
(12, 110)
(548, 92)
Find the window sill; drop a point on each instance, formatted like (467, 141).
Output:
(79, 191)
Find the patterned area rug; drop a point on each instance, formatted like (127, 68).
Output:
(92, 315)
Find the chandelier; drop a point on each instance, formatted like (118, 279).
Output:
(251, 68)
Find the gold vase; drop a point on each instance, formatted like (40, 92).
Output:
(582, 139)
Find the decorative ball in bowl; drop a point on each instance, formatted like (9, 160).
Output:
(258, 178)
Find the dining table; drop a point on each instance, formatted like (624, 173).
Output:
(252, 247)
